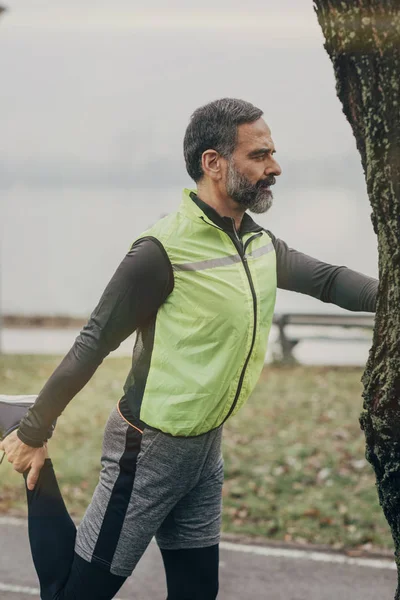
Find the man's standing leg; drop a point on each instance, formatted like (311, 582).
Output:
(189, 536)
(192, 573)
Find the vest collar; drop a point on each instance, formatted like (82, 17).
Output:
(197, 209)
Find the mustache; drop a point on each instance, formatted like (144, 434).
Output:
(270, 180)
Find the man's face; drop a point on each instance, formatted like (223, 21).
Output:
(252, 168)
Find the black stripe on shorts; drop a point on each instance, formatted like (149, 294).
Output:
(119, 500)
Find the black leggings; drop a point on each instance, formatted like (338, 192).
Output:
(63, 575)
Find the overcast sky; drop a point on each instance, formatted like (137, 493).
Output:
(105, 89)
(95, 97)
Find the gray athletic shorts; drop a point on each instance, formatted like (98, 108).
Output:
(151, 484)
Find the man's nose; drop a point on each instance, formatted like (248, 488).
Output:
(273, 168)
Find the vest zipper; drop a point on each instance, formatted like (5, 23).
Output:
(242, 250)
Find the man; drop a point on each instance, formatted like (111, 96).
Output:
(199, 287)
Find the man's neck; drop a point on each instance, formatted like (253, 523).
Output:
(225, 207)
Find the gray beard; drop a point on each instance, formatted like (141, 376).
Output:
(254, 197)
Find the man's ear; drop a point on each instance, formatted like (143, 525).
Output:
(211, 161)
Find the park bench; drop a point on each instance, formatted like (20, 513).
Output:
(288, 342)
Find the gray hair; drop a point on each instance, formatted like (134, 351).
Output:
(214, 126)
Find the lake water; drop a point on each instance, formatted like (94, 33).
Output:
(308, 352)
(59, 247)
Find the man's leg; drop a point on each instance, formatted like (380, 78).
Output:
(62, 574)
(189, 536)
(137, 491)
(129, 503)
(143, 478)
(192, 573)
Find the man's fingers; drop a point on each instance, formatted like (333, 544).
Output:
(23, 457)
(18, 466)
(36, 466)
(32, 478)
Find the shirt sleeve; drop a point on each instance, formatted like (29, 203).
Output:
(138, 288)
(333, 284)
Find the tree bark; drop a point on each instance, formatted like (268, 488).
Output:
(362, 38)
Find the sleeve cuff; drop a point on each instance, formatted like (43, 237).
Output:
(29, 441)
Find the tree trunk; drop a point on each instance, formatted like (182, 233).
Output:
(362, 38)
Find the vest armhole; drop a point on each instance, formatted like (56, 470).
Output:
(171, 279)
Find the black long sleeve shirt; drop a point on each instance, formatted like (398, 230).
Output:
(140, 285)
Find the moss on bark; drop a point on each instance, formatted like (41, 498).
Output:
(362, 38)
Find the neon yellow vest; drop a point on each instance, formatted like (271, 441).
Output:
(211, 333)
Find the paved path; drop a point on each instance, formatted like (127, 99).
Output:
(247, 572)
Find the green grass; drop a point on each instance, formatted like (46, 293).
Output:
(294, 455)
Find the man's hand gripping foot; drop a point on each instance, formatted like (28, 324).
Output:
(24, 458)
(21, 456)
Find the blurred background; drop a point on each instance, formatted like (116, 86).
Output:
(95, 99)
